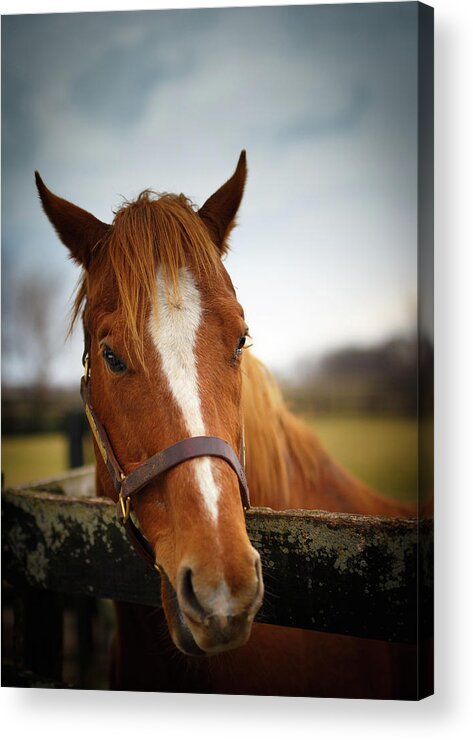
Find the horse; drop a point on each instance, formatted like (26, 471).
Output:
(167, 362)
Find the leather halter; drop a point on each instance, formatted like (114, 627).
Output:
(127, 486)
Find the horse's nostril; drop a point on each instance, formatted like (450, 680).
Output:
(188, 594)
(202, 601)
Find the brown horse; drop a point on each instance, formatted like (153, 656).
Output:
(165, 337)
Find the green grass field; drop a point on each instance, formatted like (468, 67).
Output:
(381, 452)
(34, 457)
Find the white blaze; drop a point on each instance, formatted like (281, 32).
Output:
(174, 332)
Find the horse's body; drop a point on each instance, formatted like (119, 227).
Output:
(176, 358)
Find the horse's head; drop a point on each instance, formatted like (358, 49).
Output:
(165, 334)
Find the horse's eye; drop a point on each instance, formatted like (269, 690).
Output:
(115, 364)
(241, 344)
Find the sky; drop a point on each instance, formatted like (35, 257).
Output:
(324, 100)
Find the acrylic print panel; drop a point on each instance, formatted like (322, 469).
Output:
(280, 312)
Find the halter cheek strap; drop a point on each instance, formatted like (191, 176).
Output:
(127, 486)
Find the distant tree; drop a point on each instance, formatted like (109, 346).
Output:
(32, 316)
(381, 377)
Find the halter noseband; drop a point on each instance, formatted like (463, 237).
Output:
(127, 486)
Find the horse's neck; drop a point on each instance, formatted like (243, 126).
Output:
(287, 467)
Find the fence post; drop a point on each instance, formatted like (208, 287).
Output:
(74, 428)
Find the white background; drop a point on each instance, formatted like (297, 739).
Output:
(67, 714)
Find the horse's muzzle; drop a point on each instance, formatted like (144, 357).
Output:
(209, 622)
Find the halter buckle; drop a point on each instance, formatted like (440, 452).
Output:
(125, 505)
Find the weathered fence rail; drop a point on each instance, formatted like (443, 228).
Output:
(341, 573)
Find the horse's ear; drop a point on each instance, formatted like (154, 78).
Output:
(79, 230)
(219, 211)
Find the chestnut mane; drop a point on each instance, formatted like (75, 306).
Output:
(273, 445)
(155, 230)
(286, 464)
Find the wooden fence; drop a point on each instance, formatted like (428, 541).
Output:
(340, 573)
